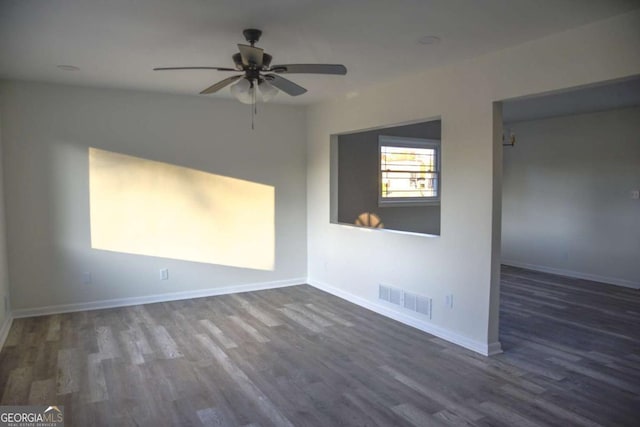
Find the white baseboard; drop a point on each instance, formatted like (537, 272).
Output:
(479, 347)
(173, 296)
(4, 329)
(574, 274)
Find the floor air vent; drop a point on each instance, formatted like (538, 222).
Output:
(395, 296)
(423, 305)
(383, 293)
(413, 302)
(409, 301)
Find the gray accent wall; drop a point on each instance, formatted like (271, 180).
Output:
(358, 180)
(567, 196)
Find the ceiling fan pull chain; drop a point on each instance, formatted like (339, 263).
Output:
(253, 109)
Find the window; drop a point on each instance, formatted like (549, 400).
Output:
(355, 182)
(409, 171)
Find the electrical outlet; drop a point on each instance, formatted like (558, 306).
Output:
(86, 277)
(164, 274)
(448, 301)
(635, 194)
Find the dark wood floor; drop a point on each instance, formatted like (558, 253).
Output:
(298, 356)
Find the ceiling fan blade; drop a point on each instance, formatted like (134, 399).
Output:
(193, 68)
(251, 55)
(287, 86)
(222, 83)
(310, 69)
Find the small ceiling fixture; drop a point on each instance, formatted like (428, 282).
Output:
(68, 67)
(428, 40)
(260, 80)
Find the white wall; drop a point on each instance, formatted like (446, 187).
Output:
(465, 259)
(47, 130)
(567, 204)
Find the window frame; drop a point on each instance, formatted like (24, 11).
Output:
(398, 141)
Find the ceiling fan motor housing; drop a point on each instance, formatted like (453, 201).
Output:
(252, 35)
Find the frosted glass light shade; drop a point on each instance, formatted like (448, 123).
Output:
(268, 91)
(243, 91)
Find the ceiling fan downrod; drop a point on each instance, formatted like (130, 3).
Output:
(252, 35)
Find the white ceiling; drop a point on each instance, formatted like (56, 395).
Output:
(116, 43)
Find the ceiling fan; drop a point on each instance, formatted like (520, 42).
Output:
(260, 79)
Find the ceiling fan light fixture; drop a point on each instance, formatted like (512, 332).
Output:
(260, 80)
(243, 91)
(267, 90)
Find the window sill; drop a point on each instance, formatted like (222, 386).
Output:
(384, 230)
(408, 203)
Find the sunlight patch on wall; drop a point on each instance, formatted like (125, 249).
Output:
(151, 208)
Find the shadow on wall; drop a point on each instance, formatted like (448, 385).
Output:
(358, 181)
(145, 207)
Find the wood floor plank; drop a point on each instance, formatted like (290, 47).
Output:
(96, 380)
(509, 417)
(140, 339)
(313, 317)
(256, 311)
(53, 332)
(68, 372)
(45, 360)
(18, 386)
(107, 345)
(131, 347)
(42, 392)
(417, 417)
(211, 417)
(458, 408)
(571, 417)
(596, 375)
(250, 330)
(380, 415)
(165, 343)
(301, 320)
(331, 316)
(246, 385)
(222, 397)
(218, 334)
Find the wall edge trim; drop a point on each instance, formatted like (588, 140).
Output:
(494, 348)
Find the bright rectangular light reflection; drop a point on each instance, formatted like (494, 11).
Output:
(151, 208)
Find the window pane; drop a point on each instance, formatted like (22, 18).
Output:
(408, 172)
